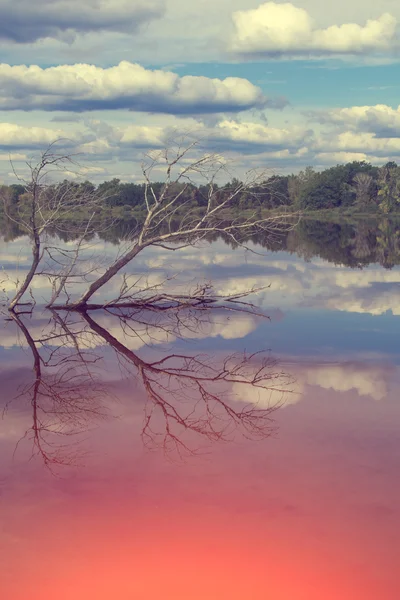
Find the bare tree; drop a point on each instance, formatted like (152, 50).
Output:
(177, 214)
(47, 206)
(173, 221)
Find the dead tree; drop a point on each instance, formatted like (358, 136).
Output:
(177, 214)
(48, 206)
(173, 221)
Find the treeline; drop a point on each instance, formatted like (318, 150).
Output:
(357, 186)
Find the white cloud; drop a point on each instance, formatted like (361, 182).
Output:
(25, 21)
(142, 135)
(357, 142)
(248, 143)
(84, 87)
(256, 134)
(330, 158)
(110, 146)
(382, 120)
(18, 136)
(274, 29)
(15, 156)
(227, 135)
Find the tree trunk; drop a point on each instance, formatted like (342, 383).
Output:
(30, 275)
(109, 274)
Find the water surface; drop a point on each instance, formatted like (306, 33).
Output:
(108, 492)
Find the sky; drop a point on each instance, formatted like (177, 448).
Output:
(273, 85)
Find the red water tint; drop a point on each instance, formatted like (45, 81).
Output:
(310, 514)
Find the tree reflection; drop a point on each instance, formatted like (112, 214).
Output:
(355, 244)
(65, 395)
(188, 398)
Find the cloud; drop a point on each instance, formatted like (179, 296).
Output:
(25, 21)
(14, 156)
(97, 140)
(276, 29)
(382, 120)
(255, 134)
(142, 136)
(334, 158)
(18, 136)
(84, 87)
(226, 135)
(358, 142)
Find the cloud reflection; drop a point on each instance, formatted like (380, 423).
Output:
(366, 380)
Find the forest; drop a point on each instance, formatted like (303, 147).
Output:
(355, 187)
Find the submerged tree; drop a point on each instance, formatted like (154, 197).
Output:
(174, 217)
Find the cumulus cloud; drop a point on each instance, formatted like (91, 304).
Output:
(255, 134)
(225, 135)
(84, 87)
(277, 29)
(358, 142)
(25, 21)
(142, 136)
(18, 136)
(334, 158)
(382, 120)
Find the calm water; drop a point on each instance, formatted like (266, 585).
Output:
(135, 465)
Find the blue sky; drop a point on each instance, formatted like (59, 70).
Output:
(310, 84)
(277, 84)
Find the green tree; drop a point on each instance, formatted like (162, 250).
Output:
(389, 188)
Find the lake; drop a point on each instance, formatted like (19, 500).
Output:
(210, 454)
